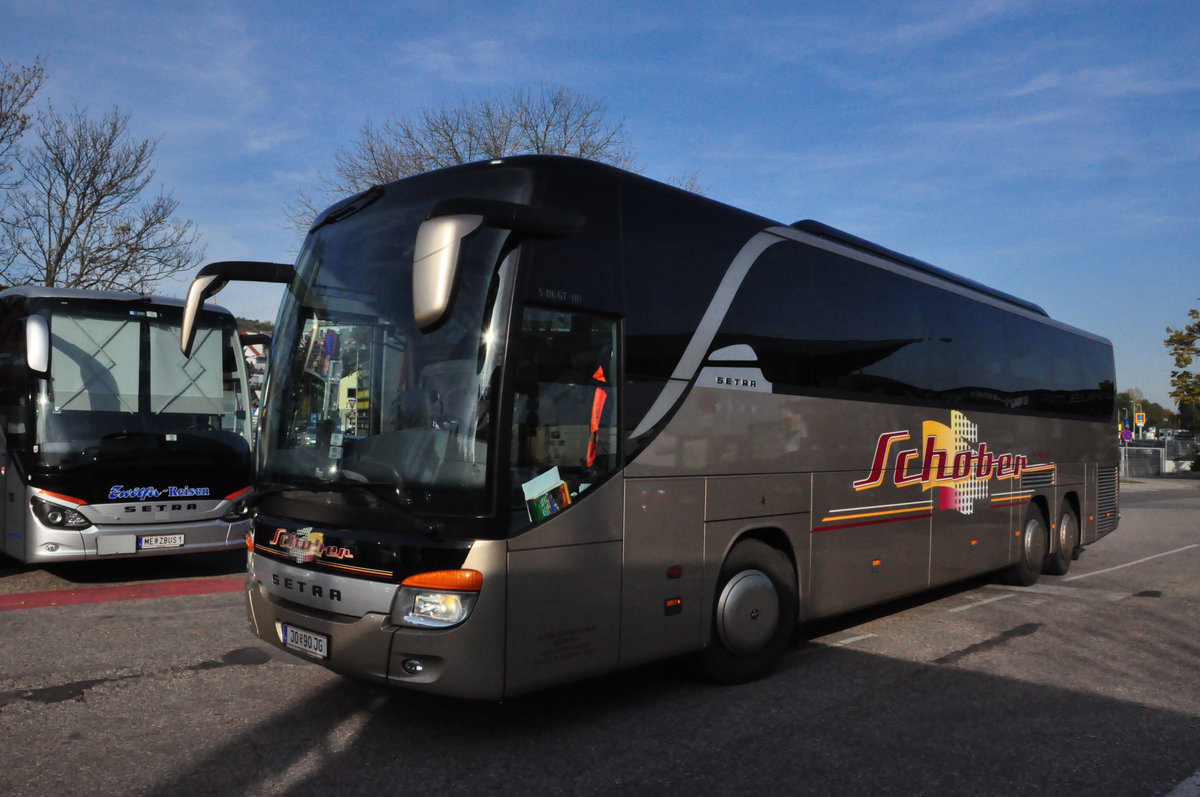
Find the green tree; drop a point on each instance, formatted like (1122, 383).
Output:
(1184, 348)
(1189, 416)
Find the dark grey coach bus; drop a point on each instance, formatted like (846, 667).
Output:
(112, 444)
(535, 419)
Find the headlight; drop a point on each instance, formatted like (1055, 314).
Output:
(440, 599)
(59, 516)
(240, 510)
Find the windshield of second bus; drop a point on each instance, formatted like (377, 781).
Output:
(119, 372)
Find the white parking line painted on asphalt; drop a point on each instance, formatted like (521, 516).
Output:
(1188, 788)
(1067, 592)
(983, 602)
(852, 640)
(1131, 564)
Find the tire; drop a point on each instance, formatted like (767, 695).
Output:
(1034, 540)
(754, 613)
(1066, 539)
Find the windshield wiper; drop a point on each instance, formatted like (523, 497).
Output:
(387, 493)
(391, 493)
(348, 208)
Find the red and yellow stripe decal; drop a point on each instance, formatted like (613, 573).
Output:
(854, 517)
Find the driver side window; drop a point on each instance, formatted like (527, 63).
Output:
(564, 437)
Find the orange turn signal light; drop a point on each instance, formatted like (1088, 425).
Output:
(454, 580)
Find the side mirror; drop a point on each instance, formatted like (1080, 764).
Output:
(37, 344)
(435, 263)
(440, 238)
(215, 276)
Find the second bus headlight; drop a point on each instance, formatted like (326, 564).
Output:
(440, 599)
(59, 516)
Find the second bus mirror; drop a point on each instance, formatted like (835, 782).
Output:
(37, 344)
(216, 276)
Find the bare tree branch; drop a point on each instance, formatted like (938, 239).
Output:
(76, 221)
(546, 120)
(18, 85)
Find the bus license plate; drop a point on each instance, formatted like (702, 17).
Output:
(306, 641)
(160, 541)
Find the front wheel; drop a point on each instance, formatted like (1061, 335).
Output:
(1034, 540)
(1066, 538)
(754, 613)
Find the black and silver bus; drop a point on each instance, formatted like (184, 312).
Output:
(112, 444)
(535, 419)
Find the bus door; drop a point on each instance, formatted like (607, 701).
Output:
(564, 562)
(12, 519)
(11, 544)
(14, 386)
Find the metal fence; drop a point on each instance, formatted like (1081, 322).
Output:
(1153, 458)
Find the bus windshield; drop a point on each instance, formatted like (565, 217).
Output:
(367, 399)
(117, 373)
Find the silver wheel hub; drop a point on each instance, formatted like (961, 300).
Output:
(747, 612)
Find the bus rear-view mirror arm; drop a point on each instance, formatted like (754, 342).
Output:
(254, 339)
(215, 276)
(439, 245)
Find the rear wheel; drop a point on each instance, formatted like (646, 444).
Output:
(1066, 541)
(1034, 540)
(754, 613)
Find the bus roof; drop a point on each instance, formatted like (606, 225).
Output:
(840, 236)
(42, 292)
(563, 164)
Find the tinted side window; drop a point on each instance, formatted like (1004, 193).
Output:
(823, 324)
(828, 325)
(873, 332)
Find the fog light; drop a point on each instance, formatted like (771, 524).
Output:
(412, 666)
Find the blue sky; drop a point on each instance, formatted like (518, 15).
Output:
(1049, 149)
